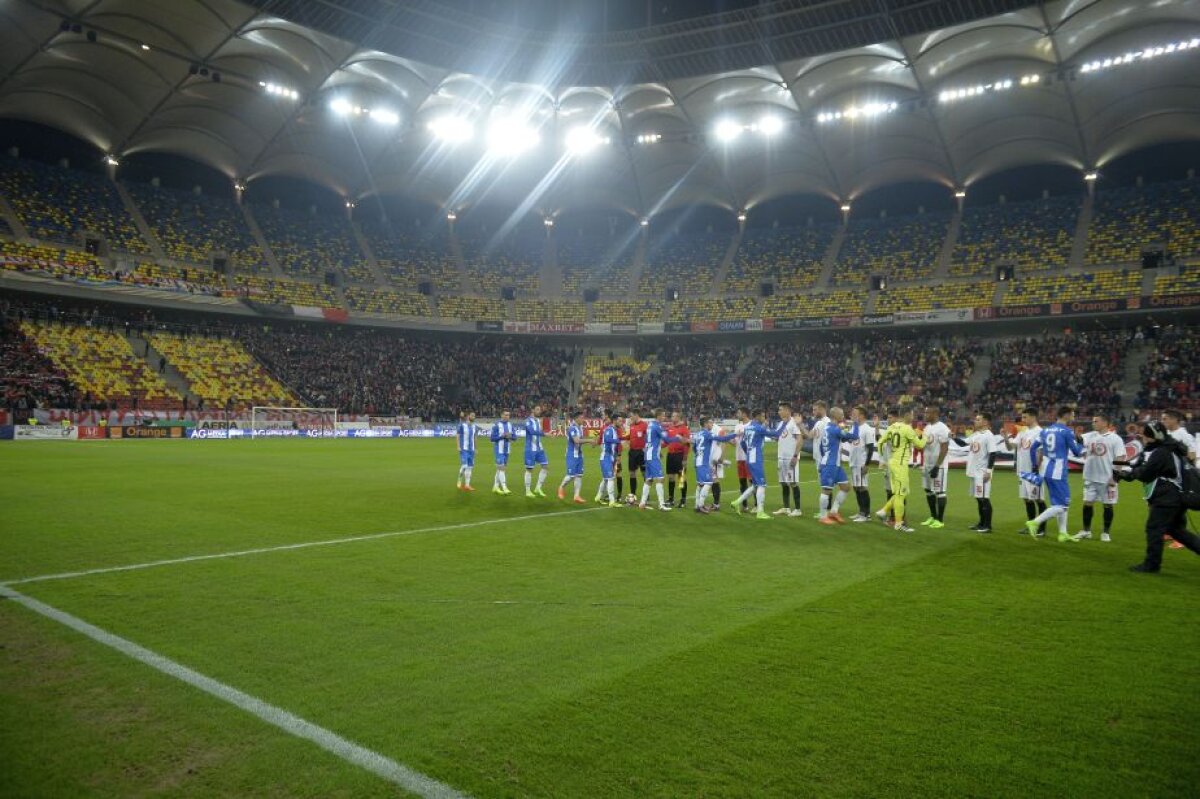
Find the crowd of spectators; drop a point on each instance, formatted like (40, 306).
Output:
(1171, 374)
(1083, 369)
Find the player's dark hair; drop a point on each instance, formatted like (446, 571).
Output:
(861, 410)
(1064, 410)
(743, 409)
(987, 417)
(787, 405)
(658, 412)
(1030, 411)
(820, 404)
(893, 411)
(1103, 416)
(1174, 414)
(703, 421)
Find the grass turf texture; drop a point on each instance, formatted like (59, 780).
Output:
(607, 653)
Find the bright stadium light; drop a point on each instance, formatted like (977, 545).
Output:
(451, 216)
(385, 117)
(649, 138)
(451, 129)
(548, 222)
(511, 137)
(1156, 51)
(865, 111)
(960, 194)
(581, 140)
(741, 217)
(341, 107)
(846, 207)
(769, 125)
(111, 160)
(727, 130)
(645, 222)
(1091, 176)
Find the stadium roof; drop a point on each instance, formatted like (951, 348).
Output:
(864, 93)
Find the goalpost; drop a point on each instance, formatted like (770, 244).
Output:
(264, 418)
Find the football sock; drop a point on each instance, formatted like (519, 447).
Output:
(898, 508)
(671, 490)
(796, 496)
(564, 482)
(504, 480)
(931, 500)
(633, 484)
(941, 508)
(645, 491)
(683, 490)
(745, 495)
(760, 494)
(701, 493)
(467, 475)
(621, 486)
(742, 487)
(864, 501)
(528, 479)
(787, 495)
(1041, 505)
(716, 492)
(838, 500)
(979, 504)
(1088, 512)
(986, 508)
(1031, 510)
(578, 485)
(658, 489)
(824, 503)
(1108, 518)
(496, 480)
(541, 479)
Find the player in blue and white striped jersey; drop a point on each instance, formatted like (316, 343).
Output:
(1057, 442)
(575, 442)
(704, 441)
(535, 453)
(502, 436)
(466, 451)
(610, 455)
(656, 436)
(753, 436)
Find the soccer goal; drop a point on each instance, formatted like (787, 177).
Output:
(266, 419)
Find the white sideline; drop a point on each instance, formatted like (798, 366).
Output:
(378, 764)
(284, 547)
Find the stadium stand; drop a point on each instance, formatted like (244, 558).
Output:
(799, 372)
(286, 292)
(101, 364)
(514, 262)
(191, 227)
(1187, 281)
(678, 385)
(57, 204)
(220, 371)
(311, 244)
(935, 297)
(28, 379)
(565, 311)
(388, 373)
(56, 261)
(409, 257)
(386, 301)
(628, 312)
(683, 261)
(833, 303)
(609, 379)
(594, 261)
(472, 308)
(926, 371)
(723, 308)
(191, 279)
(902, 248)
(790, 256)
(1066, 288)
(1033, 235)
(1171, 374)
(1127, 218)
(1083, 370)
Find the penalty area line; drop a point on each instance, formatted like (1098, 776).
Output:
(328, 542)
(380, 765)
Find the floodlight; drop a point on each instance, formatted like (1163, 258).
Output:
(341, 107)
(451, 216)
(1091, 176)
(845, 206)
(511, 137)
(145, 47)
(770, 125)
(111, 160)
(961, 193)
(741, 217)
(451, 129)
(548, 222)
(583, 140)
(727, 130)
(385, 117)
(645, 222)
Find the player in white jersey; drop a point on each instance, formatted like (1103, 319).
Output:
(861, 452)
(935, 470)
(739, 454)
(1020, 444)
(820, 413)
(1173, 421)
(788, 453)
(981, 460)
(1102, 447)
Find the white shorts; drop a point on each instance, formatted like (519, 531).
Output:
(1100, 492)
(1028, 491)
(858, 476)
(787, 471)
(980, 488)
(937, 483)
(718, 470)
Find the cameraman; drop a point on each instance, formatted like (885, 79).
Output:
(1160, 468)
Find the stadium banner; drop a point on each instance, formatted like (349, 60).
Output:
(1175, 301)
(28, 432)
(553, 327)
(704, 327)
(876, 319)
(624, 329)
(131, 431)
(488, 326)
(801, 324)
(731, 324)
(845, 321)
(754, 324)
(651, 328)
(598, 328)
(677, 327)
(440, 431)
(91, 432)
(516, 327)
(7, 432)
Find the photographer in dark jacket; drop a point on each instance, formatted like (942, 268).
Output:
(1159, 468)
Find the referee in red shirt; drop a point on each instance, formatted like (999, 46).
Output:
(637, 450)
(677, 457)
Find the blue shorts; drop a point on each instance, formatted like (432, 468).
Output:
(606, 469)
(1059, 492)
(502, 460)
(466, 457)
(534, 458)
(757, 476)
(704, 475)
(654, 470)
(574, 467)
(831, 476)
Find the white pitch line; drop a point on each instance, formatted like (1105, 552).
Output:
(398, 773)
(285, 547)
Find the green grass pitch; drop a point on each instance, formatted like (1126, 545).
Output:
(607, 653)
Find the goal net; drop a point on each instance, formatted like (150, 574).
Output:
(267, 420)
